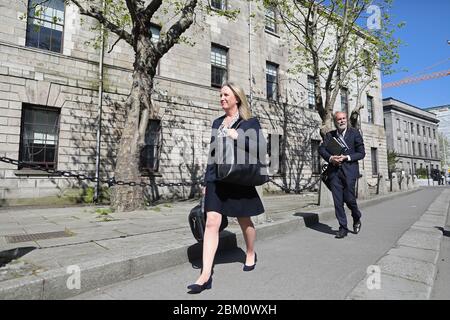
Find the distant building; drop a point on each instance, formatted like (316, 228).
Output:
(443, 115)
(412, 133)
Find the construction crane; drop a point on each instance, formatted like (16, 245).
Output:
(409, 80)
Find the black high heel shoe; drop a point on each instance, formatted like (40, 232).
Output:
(197, 288)
(250, 268)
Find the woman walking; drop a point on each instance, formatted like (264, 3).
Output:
(226, 199)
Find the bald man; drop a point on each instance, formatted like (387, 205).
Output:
(344, 171)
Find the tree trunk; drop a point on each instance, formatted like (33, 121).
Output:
(124, 197)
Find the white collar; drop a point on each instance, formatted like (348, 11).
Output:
(343, 132)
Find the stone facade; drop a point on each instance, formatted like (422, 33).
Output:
(68, 83)
(412, 133)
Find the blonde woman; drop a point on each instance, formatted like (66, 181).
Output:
(226, 199)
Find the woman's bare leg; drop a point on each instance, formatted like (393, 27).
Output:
(249, 232)
(210, 243)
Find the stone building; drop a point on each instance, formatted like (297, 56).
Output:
(49, 89)
(412, 133)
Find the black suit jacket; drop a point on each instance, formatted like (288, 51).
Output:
(252, 123)
(356, 151)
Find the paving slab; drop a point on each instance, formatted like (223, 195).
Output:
(408, 268)
(391, 288)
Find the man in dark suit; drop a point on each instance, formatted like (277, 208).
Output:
(343, 171)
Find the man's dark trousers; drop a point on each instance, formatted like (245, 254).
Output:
(343, 190)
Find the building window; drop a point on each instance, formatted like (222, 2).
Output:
(218, 65)
(398, 124)
(425, 149)
(413, 148)
(315, 156)
(399, 145)
(311, 94)
(277, 140)
(431, 151)
(151, 150)
(435, 152)
(418, 130)
(272, 81)
(412, 128)
(429, 132)
(419, 146)
(434, 133)
(344, 100)
(156, 32)
(218, 4)
(424, 132)
(406, 146)
(45, 24)
(374, 154)
(271, 22)
(415, 168)
(39, 136)
(370, 109)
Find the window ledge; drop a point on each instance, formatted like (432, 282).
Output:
(32, 172)
(151, 174)
(272, 33)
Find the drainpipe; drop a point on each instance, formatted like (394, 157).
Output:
(99, 121)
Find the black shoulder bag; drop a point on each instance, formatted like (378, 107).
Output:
(197, 221)
(250, 173)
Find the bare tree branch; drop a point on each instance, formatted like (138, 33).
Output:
(93, 12)
(152, 7)
(177, 29)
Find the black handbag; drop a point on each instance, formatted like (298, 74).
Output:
(324, 174)
(250, 173)
(197, 221)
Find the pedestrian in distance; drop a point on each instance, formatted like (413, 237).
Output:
(228, 199)
(343, 171)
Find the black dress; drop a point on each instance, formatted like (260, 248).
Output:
(231, 200)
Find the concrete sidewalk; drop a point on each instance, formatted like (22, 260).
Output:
(120, 246)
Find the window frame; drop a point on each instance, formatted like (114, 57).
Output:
(269, 20)
(315, 157)
(344, 101)
(219, 67)
(370, 110)
(311, 93)
(42, 20)
(145, 169)
(22, 145)
(276, 92)
(223, 5)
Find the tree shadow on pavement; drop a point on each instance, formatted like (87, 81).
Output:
(227, 251)
(445, 233)
(312, 222)
(7, 256)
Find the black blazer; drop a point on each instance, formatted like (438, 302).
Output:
(252, 123)
(356, 151)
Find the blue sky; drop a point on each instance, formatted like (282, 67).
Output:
(425, 45)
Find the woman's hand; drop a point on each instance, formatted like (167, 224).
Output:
(232, 133)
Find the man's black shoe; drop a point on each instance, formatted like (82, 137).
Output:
(357, 226)
(341, 233)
